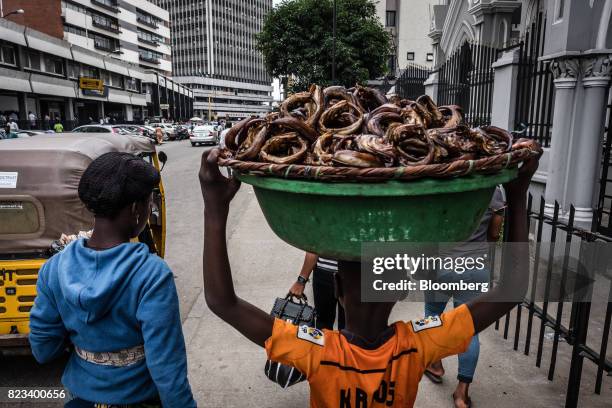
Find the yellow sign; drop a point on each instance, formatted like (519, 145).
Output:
(91, 84)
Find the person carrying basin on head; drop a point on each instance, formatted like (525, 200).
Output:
(369, 363)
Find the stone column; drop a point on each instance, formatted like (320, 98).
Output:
(505, 90)
(565, 72)
(586, 144)
(431, 86)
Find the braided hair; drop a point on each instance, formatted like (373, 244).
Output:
(115, 180)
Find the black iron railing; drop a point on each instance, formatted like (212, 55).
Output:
(465, 78)
(603, 216)
(554, 233)
(535, 89)
(411, 83)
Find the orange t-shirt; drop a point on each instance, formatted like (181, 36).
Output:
(343, 375)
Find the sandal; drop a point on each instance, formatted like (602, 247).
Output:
(434, 378)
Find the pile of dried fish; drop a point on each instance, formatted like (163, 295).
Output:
(360, 127)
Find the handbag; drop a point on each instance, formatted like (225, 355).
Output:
(298, 313)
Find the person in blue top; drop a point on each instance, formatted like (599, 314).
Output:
(113, 300)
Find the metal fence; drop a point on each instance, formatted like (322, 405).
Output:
(558, 235)
(411, 83)
(535, 89)
(466, 79)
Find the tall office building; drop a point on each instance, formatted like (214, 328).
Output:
(214, 54)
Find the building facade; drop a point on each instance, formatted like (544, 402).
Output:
(552, 71)
(57, 80)
(408, 24)
(122, 44)
(214, 53)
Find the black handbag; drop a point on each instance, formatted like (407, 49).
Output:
(298, 313)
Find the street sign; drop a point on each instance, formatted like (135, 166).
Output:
(91, 84)
(164, 106)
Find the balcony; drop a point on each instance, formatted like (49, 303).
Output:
(113, 28)
(148, 42)
(149, 58)
(109, 5)
(147, 22)
(105, 46)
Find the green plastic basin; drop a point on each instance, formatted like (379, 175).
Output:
(333, 219)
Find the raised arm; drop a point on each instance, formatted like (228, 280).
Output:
(218, 191)
(513, 284)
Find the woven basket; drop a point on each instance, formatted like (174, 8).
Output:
(457, 168)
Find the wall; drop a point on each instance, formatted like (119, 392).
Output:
(41, 15)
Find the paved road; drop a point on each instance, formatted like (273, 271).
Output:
(183, 254)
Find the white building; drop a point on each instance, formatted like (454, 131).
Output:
(408, 21)
(135, 31)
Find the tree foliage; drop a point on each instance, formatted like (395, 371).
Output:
(296, 41)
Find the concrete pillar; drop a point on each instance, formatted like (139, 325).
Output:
(431, 86)
(23, 110)
(505, 89)
(69, 114)
(101, 113)
(586, 144)
(129, 113)
(565, 72)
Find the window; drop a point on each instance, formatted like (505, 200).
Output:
(148, 37)
(54, 65)
(430, 56)
(74, 70)
(560, 5)
(32, 60)
(132, 84)
(7, 54)
(99, 20)
(147, 19)
(115, 80)
(391, 18)
(149, 56)
(410, 56)
(90, 72)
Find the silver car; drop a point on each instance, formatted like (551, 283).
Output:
(204, 135)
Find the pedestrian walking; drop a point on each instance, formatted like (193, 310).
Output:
(159, 135)
(489, 229)
(47, 121)
(32, 118)
(113, 300)
(325, 300)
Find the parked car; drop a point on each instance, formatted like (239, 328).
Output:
(101, 129)
(140, 130)
(167, 128)
(205, 134)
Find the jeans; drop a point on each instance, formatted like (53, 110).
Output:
(325, 301)
(435, 303)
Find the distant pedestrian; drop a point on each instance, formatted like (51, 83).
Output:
(159, 135)
(2, 119)
(32, 118)
(101, 121)
(46, 122)
(13, 125)
(58, 127)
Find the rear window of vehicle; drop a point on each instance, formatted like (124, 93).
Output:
(20, 217)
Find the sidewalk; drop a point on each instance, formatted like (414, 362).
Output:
(226, 370)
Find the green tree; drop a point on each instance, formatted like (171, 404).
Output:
(296, 40)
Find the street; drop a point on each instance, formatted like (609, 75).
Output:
(226, 370)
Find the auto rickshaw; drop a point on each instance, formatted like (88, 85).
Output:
(39, 178)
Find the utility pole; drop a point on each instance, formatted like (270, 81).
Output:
(334, 41)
